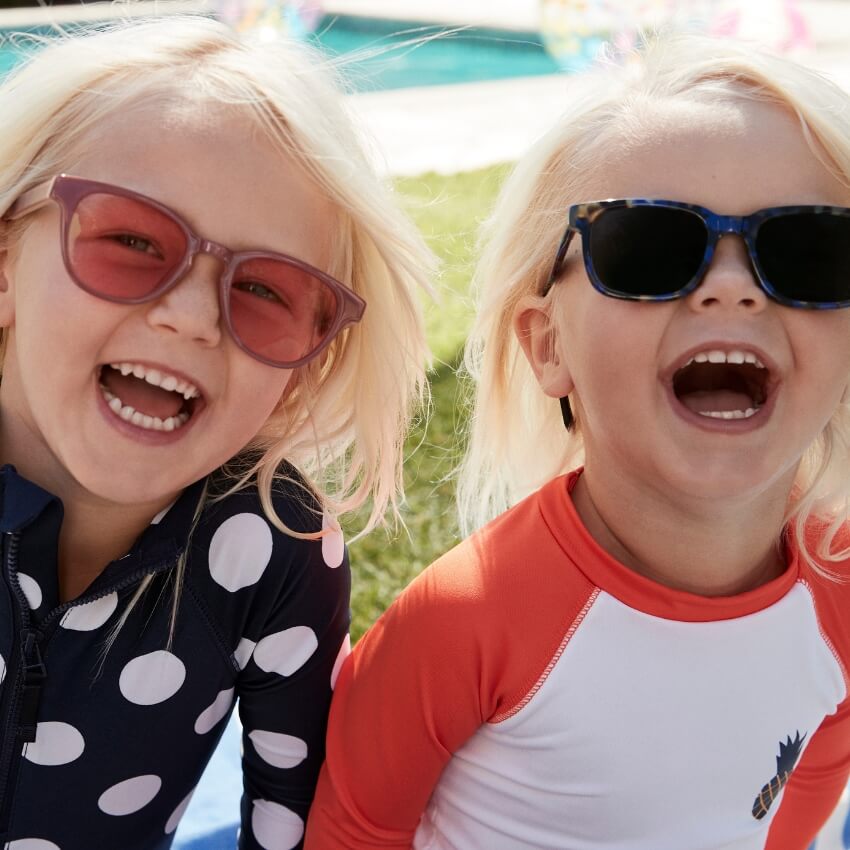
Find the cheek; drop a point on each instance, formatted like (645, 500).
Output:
(612, 349)
(826, 344)
(45, 296)
(260, 389)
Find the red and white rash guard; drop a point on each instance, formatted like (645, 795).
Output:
(528, 691)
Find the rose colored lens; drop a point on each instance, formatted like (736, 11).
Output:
(121, 247)
(279, 311)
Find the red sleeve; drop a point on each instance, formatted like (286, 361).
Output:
(464, 644)
(408, 696)
(815, 785)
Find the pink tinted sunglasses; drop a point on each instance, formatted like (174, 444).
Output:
(127, 248)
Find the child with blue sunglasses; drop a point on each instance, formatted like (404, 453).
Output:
(647, 647)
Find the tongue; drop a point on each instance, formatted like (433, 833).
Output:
(716, 400)
(142, 396)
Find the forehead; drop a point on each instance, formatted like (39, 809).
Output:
(731, 157)
(158, 128)
(213, 165)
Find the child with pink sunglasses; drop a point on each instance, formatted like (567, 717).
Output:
(647, 647)
(211, 344)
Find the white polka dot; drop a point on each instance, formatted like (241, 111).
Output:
(277, 749)
(285, 652)
(130, 795)
(91, 615)
(243, 652)
(178, 813)
(240, 551)
(210, 716)
(275, 826)
(344, 652)
(2, 668)
(55, 743)
(31, 844)
(152, 678)
(31, 590)
(333, 544)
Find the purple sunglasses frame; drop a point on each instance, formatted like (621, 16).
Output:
(67, 191)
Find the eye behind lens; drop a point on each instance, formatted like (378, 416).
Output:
(805, 256)
(292, 325)
(647, 251)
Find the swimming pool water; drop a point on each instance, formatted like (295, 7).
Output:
(406, 54)
(382, 54)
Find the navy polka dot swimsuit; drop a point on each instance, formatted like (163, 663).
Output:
(104, 751)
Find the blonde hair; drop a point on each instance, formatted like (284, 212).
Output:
(342, 423)
(517, 439)
(343, 418)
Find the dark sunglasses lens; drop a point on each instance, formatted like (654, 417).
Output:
(646, 251)
(806, 256)
(279, 311)
(122, 248)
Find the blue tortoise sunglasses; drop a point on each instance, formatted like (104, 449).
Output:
(655, 250)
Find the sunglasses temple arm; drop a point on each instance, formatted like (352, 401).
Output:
(567, 414)
(558, 265)
(30, 201)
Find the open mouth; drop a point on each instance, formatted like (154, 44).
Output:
(722, 385)
(148, 398)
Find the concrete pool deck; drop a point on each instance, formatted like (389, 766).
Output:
(461, 127)
(465, 126)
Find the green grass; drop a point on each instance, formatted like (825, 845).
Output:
(448, 211)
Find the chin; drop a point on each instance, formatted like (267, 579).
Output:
(132, 490)
(730, 481)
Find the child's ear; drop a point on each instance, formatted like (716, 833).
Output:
(7, 298)
(539, 340)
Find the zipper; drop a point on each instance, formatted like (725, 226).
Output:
(26, 673)
(10, 742)
(34, 675)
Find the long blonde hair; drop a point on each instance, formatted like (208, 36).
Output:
(342, 421)
(343, 424)
(517, 439)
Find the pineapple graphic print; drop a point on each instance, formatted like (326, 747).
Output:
(789, 753)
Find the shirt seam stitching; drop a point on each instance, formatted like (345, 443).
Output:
(825, 637)
(209, 620)
(574, 626)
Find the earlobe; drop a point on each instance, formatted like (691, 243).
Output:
(539, 340)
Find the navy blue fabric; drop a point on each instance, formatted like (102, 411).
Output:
(122, 738)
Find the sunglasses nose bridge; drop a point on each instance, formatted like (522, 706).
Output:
(223, 255)
(214, 249)
(735, 225)
(724, 224)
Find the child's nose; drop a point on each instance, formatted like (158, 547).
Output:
(729, 281)
(191, 308)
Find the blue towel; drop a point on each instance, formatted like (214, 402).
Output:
(212, 819)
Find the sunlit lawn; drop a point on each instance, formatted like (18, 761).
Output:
(448, 210)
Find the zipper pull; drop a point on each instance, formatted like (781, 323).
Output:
(34, 676)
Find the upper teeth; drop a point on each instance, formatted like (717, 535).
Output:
(734, 356)
(158, 379)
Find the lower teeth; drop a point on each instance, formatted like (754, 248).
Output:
(729, 414)
(142, 420)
